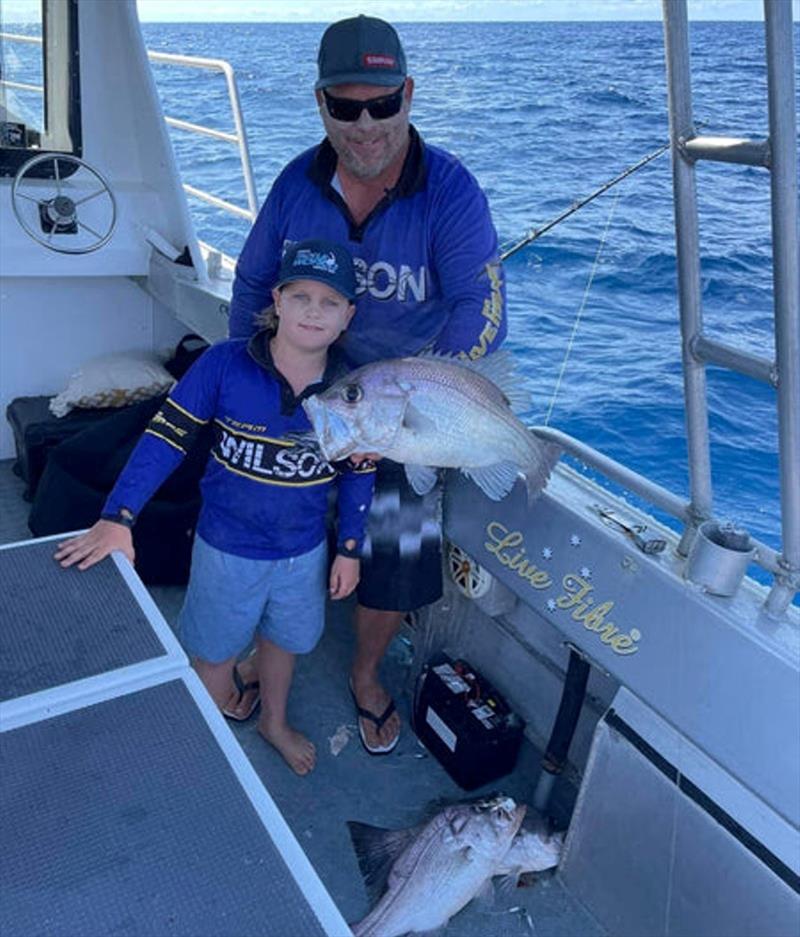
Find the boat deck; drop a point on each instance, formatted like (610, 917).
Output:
(396, 791)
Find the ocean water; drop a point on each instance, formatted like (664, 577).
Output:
(542, 114)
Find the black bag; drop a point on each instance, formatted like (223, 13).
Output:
(37, 432)
(187, 351)
(81, 472)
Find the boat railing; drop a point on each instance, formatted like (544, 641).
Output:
(778, 155)
(654, 494)
(238, 137)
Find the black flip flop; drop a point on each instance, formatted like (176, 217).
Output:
(242, 688)
(379, 721)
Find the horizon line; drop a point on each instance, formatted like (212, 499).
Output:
(297, 22)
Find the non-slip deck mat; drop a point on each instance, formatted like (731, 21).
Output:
(126, 818)
(59, 625)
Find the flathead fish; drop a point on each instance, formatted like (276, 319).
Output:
(432, 871)
(434, 412)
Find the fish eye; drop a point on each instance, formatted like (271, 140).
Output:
(352, 393)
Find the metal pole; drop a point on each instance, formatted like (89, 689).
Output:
(244, 149)
(786, 281)
(676, 37)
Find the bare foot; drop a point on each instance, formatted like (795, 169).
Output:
(297, 750)
(372, 696)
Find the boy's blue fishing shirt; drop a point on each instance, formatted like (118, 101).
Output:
(265, 496)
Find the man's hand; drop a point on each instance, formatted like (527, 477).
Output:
(95, 545)
(345, 574)
(358, 457)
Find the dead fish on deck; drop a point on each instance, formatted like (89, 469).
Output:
(432, 871)
(434, 412)
(533, 849)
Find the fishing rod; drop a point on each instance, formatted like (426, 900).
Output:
(538, 232)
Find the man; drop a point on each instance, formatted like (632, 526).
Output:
(425, 249)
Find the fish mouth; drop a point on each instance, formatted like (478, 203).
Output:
(512, 812)
(556, 842)
(507, 809)
(333, 434)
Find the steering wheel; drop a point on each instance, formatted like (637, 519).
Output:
(55, 218)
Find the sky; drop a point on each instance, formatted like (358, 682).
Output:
(404, 11)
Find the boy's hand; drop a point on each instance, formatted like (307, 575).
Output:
(95, 545)
(344, 576)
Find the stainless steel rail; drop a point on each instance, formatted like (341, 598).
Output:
(239, 137)
(779, 155)
(656, 495)
(681, 127)
(786, 279)
(18, 37)
(21, 86)
(728, 150)
(735, 359)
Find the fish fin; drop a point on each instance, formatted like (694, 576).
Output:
(416, 421)
(507, 885)
(485, 896)
(500, 368)
(494, 480)
(376, 850)
(545, 455)
(422, 478)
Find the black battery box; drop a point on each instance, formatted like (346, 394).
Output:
(465, 723)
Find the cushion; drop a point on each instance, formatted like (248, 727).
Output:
(113, 381)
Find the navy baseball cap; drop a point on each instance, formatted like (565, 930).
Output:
(362, 50)
(324, 261)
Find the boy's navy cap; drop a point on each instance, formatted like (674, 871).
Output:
(324, 261)
(362, 50)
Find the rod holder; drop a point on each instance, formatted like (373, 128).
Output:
(719, 557)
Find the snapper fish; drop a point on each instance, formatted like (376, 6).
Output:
(424, 875)
(431, 412)
(534, 849)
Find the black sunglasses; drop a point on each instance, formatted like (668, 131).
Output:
(349, 110)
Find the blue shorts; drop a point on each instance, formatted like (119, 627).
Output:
(229, 598)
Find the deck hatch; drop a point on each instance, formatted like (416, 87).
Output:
(50, 626)
(142, 826)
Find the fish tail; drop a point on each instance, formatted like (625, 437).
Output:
(544, 456)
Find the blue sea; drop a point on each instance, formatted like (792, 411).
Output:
(542, 114)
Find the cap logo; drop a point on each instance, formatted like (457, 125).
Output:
(376, 60)
(325, 263)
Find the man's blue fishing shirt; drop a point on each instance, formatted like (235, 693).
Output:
(426, 257)
(264, 494)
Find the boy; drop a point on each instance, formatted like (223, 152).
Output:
(259, 557)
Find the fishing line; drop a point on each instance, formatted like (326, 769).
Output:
(585, 299)
(529, 238)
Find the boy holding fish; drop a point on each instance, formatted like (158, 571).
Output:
(428, 274)
(259, 558)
